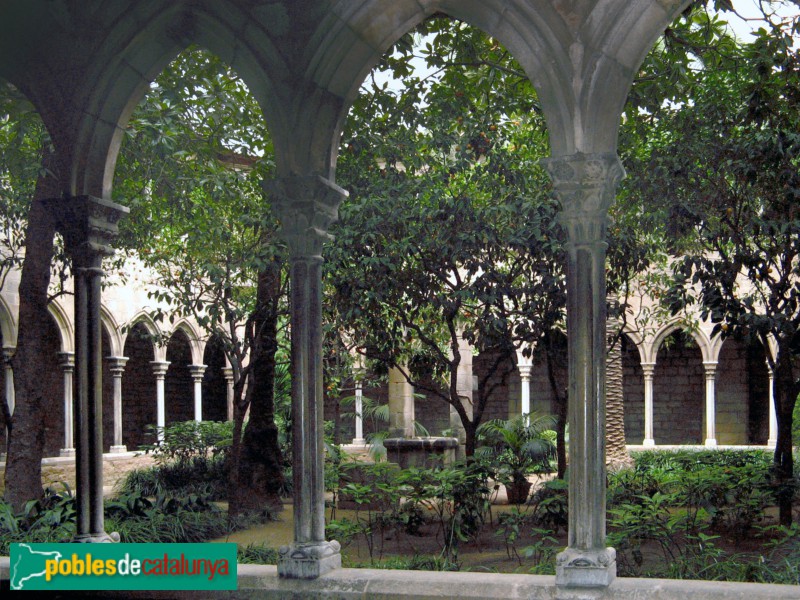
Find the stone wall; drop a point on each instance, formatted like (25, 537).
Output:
(632, 393)
(138, 389)
(679, 393)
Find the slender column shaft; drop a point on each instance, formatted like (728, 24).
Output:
(711, 401)
(773, 415)
(8, 353)
(359, 407)
(525, 388)
(89, 408)
(307, 399)
(117, 368)
(160, 372)
(585, 185)
(197, 372)
(68, 367)
(9, 379)
(647, 371)
(227, 372)
(585, 317)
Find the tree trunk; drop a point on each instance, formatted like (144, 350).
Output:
(23, 475)
(259, 473)
(617, 457)
(785, 398)
(559, 404)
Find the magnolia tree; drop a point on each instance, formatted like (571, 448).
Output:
(720, 169)
(191, 168)
(450, 232)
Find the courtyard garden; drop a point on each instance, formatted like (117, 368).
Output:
(699, 514)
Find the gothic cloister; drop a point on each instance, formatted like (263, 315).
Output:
(85, 65)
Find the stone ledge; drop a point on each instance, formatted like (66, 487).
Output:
(262, 582)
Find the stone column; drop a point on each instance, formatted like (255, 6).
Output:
(8, 354)
(88, 225)
(227, 373)
(160, 371)
(711, 400)
(585, 184)
(306, 206)
(773, 415)
(358, 372)
(68, 367)
(401, 405)
(117, 367)
(525, 388)
(647, 371)
(197, 372)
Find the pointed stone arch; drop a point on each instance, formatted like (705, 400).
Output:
(65, 326)
(144, 320)
(707, 348)
(113, 331)
(194, 337)
(8, 325)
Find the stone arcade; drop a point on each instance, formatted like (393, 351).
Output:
(84, 65)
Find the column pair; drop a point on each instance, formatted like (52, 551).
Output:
(88, 225)
(306, 207)
(586, 184)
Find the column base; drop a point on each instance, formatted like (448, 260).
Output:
(117, 449)
(308, 561)
(648, 443)
(97, 538)
(359, 442)
(711, 443)
(586, 568)
(67, 452)
(772, 442)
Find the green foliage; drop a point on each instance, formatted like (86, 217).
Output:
(192, 458)
(550, 505)
(23, 143)
(680, 503)
(48, 519)
(449, 230)
(720, 184)
(256, 554)
(518, 446)
(183, 442)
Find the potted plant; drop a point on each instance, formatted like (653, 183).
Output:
(517, 447)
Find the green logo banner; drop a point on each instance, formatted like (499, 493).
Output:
(123, 566)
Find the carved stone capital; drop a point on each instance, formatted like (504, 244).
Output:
(160, 368)
(88, 225)
(197, 371)
(116, 364)
(585, 184)
(306, 207)
(8, 354)
(67, 361)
